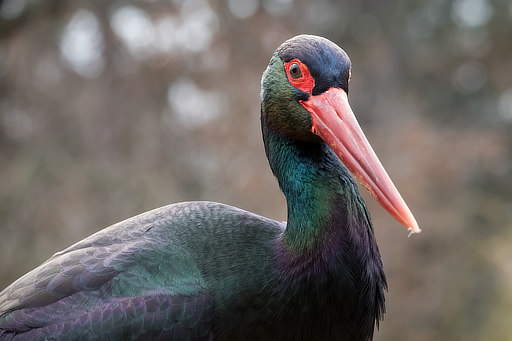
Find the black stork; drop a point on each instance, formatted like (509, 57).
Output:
(208, 271)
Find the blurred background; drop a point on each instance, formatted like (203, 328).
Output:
(112, 108)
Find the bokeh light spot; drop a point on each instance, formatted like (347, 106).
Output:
(82, 45)
(135, 28)
(193, 106)
(505, 105)
(243, 8)
(471, 13)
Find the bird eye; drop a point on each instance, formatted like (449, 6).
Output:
(295, 71)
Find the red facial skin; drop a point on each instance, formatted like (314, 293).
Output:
(304, 83)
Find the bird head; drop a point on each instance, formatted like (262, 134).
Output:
(305, 98)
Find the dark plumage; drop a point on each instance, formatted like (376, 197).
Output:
(208, 271)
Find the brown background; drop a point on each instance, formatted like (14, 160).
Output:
(109, 109)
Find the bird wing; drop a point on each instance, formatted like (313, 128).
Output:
(131, 279)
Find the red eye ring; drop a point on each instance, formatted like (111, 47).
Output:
(303, 81)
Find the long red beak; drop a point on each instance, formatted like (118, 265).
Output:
(335, 122)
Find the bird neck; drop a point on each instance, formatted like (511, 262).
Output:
(323, 202)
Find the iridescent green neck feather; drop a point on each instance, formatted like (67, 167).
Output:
(316, 184)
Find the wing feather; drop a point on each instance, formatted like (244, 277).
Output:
(124, 282)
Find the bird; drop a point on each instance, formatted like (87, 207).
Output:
(209, 271)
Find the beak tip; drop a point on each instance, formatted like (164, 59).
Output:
(413, 228)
